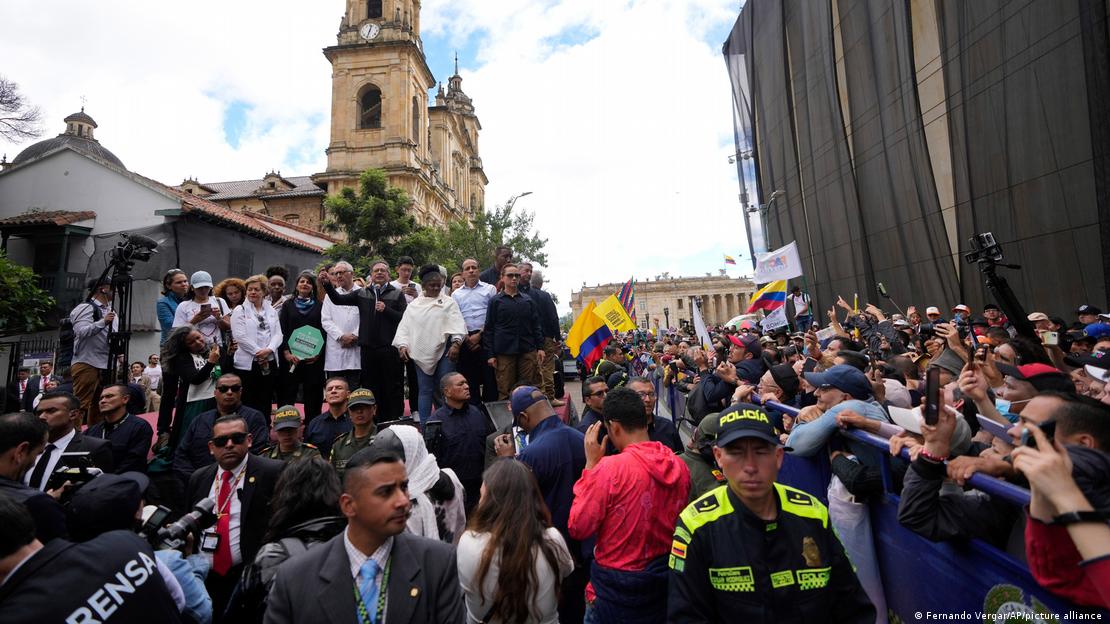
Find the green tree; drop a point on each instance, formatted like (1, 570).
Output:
(478, 238)
(24, 306)
(378, 223)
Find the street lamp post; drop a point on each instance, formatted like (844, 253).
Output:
(512, 200)
(667, 317)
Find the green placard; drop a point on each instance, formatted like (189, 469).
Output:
(306, 342)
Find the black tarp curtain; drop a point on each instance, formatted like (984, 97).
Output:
(1025, 85)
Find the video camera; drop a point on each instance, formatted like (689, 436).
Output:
(76, 467)
(133, 248)
(173, 535)
(986, 249)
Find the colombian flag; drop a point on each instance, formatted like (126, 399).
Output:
(588, 336)
(729, 259)
(770, 297)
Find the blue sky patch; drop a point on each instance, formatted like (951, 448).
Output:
(235, 121)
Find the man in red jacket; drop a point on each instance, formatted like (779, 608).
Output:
(630, 502)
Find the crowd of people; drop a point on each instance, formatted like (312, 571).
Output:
(371, 483)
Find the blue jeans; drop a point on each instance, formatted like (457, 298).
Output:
(429, 386)
(803, 322)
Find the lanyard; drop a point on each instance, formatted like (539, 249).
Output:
(105, 431)
(379, 613)
(220, 511)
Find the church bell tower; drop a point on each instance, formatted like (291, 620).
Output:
(380, 84)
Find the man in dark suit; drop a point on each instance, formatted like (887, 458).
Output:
(419, 574)
(192, 450)
(60, 411)
(22, 437)
(242, 486)
(37, 385)
(14, 393)
(380, 307)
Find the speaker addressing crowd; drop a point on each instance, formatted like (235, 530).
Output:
(381, 489)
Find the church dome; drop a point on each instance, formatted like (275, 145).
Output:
(78, 135)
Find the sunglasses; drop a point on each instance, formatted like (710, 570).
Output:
(235, 388)
(512, 275)
(236, 438)
(261, 322)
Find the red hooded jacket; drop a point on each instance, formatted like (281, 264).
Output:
(1057, 566)
(631, 502)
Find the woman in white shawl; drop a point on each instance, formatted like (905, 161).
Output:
(438, 498)
(430, 334)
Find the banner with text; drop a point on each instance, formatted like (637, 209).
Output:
(780, 264)
(774, 320)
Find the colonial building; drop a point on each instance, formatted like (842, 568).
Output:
(666, 301)
(293, 199)
(381, 118)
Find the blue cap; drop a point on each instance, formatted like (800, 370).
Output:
(844, 378)
(1097, 330)
(524, 397)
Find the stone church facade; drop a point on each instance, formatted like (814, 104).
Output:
(381, 118)
(669, 299)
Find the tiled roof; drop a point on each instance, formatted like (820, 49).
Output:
(51, 217)
(247, 221)
(302, 187)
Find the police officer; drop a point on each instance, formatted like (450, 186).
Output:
(705, 475)
(289, 447)
(361, 407)
(757, 551)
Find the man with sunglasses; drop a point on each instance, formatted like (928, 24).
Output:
(593, 396)
(512, 335)
(242, 486)
(192, 451)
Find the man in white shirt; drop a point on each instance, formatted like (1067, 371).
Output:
(153, 372)
(93, 319)
(342, 354)
(59, 410)
(803, 318)
(241, 486)
(473, 299)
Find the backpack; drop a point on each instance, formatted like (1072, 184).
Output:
(64, 355)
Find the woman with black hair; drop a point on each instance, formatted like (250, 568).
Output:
(306, 375)
(511, 560)
(305, 513)
(188, 356)
(175, 288)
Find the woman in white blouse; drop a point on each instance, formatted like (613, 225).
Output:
(430, 334)
(511, 560)
(257, 331)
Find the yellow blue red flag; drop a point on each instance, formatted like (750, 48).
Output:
(613, 314)
(588, 336)
(769, 297)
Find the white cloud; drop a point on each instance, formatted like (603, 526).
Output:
(615, 114)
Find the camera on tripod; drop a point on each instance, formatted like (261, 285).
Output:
(133, 248)
(986, 249)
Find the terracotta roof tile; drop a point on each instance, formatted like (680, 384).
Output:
(49, 217)
(238, 189)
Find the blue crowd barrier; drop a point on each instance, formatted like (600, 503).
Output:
(924, 580)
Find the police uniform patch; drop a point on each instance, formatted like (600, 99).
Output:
(718, 475)
(682, 534)
(678, 549)
(799, 498)
(709, 503)
(784, 578)
(739, 579)
(676, 564)
(813, 579)
(811, 552)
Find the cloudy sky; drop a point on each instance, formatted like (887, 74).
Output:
(614, 113)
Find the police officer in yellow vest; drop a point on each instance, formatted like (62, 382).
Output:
(289, 447)
(361, 406)
(755, 551)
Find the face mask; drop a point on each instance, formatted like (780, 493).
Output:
(1003, 406)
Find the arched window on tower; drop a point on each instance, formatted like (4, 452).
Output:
(374, 9)
(415, 119)
(370, 108)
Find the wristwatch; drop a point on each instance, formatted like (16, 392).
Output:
(1073, 517)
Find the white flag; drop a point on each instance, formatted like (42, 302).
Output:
(699, 327)
(774, 320)
(780, 264)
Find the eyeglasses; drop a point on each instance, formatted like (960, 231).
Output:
(238, 437)
(644, 395)
(234, 388)
(598, 393)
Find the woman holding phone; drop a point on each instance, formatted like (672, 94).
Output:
(207, 313)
